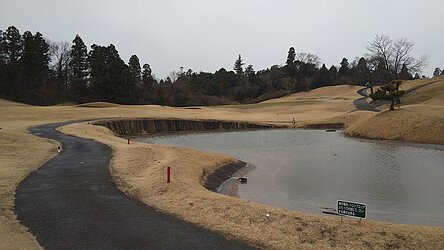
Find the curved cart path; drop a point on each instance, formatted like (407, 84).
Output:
(362, 104)
(71, 202)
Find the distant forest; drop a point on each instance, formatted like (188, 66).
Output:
(38, 71)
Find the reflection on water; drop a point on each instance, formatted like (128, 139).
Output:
(308, 169)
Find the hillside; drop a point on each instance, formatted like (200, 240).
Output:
(419, 119)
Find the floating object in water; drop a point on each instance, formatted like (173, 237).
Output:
(242, 180)
(330, 130)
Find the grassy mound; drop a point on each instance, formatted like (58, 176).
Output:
(420, 117)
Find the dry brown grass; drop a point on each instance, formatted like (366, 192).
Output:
(140, 173)
(414, 123)
(340, 92)
(420, 118)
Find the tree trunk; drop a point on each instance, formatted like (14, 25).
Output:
(392, 104)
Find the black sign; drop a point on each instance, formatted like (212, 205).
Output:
(352, 209)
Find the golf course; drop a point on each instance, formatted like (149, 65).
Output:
(138, 170)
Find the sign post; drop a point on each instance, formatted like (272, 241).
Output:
(168, 174)
(352, 209)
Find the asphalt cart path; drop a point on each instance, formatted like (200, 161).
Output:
(362, 104)
(71, 202)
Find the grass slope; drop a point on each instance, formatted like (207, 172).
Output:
(419, 119)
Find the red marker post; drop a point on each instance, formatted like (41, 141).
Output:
(168, 174)
(128, 141)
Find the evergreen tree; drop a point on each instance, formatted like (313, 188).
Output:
(12, 45)
(249, 71)
(389, 92)
(2, 64)
(147, 77)
(2, 56)
(381, 74)
(291, 55)
(343, 70)
(35, 59)
(148, 84)
(135, 79)
(322, 78)
(238, 66)
(97, 59)
(109, 75)
(11, 49)
(437, 72)
(134, 69)
(79, 58)
(79, 69)
(333, 72)
(405, 74)
(362, 73)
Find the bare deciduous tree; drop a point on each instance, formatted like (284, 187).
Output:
(308, 58)
(394, 54)
(60, 53)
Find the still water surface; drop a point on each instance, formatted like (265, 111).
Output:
(308, 169)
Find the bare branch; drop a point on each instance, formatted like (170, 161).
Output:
(308, 58)
(394, 53)
(417, 65)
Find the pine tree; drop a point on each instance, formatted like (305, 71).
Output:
(2, 65)
(381, 74)
(147, 77)
(238, 66)
(148, 82)
(79, 58)
(389, 92)
(134, 69)
(333, 72)
(79, 69)
(291, 55)
(322, 78)
(109, 75)
(362, 72)
(34, 60)
(12, 45)
(343, 70)
(2, 55)
(97, 59)
(405, 75)
(11, 50)
(249, 71)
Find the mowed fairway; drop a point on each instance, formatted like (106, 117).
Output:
(138, 168)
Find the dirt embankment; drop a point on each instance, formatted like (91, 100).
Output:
(125, 127)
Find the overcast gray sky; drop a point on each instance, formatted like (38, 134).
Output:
(206, 35)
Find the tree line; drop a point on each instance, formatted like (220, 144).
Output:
(36, 70)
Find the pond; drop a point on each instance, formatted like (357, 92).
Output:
(307, 170)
